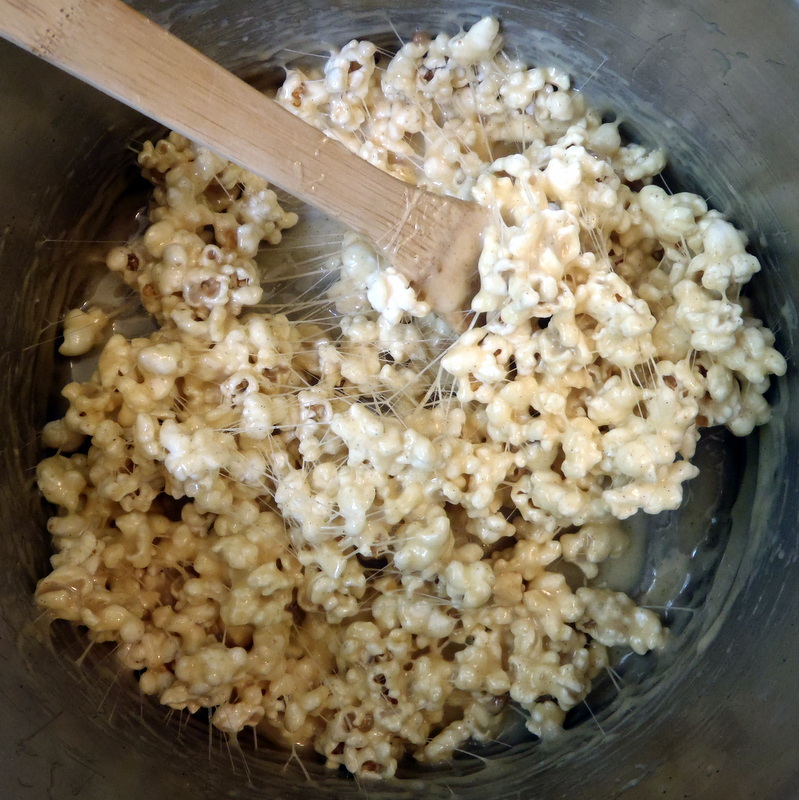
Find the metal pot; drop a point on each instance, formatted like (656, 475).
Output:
(714, 82)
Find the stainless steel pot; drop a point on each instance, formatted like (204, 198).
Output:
(714, 81)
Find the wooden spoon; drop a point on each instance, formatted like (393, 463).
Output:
(434, 241)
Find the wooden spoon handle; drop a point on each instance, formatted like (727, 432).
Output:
(119, 51)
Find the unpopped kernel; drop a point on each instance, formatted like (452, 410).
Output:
(356, 534)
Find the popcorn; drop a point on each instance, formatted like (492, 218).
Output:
(468, 585)
(82, 331)
(612, 618)
(348, 532)
(390, 295)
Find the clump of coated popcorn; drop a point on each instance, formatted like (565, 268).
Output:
(356, 534)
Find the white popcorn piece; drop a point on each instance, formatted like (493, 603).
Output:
(83, 330)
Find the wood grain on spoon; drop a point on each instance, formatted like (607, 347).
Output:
(434, 241)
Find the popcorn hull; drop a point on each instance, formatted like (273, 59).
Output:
(716, 715)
